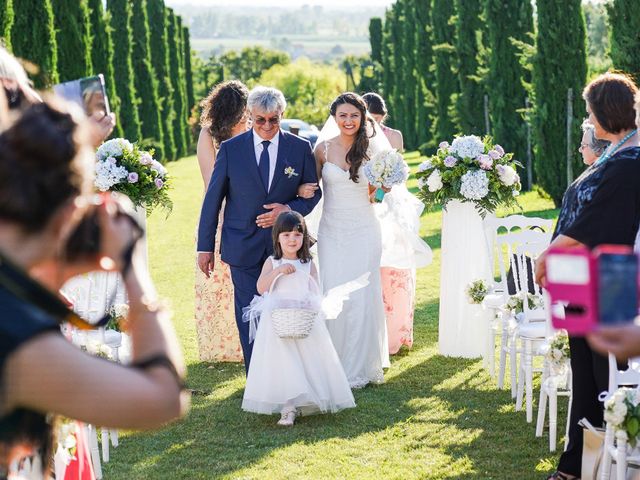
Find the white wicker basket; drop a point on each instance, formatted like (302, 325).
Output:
(292, 322)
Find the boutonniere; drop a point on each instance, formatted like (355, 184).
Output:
(290, 172)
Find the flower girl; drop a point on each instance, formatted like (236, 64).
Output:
(293, 375)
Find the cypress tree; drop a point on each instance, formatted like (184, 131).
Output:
(425, 78)
(33, 38)
(160, 60)
(188, 72)
(625, 36)
(444, 54)
(146, 82)
(399, 116)
(120, 17)
(177, 83)
(73, 36)
(387, 53)
(102, 55)
(6, 22)
(409, 73)
(183, 74)
(470, 101)
(506, 74)
(560, 64)
(375, 39)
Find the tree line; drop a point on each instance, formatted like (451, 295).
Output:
(142, 48)
(488, 66)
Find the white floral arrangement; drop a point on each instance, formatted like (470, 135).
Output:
(622, 411)
(386, 169)
(118, 314)
(558, 353)
(516, 302)
(123, 167)
(66, 440)
(470, 169)
(476, 291)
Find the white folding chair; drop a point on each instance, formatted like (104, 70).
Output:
(615, 446)
(502, 235)
(533, 328)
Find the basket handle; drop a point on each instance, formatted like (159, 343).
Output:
(274, 282)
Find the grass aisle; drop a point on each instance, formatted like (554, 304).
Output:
(434, 418)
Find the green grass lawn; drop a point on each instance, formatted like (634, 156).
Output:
(434, 418)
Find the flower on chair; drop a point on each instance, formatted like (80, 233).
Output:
(290, 172)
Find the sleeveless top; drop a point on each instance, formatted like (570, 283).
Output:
(19, 323)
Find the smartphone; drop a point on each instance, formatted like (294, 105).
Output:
(89, 92)
(617, 288)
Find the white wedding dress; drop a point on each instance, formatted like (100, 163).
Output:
(349, 245)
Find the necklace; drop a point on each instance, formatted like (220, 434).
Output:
(609, 152)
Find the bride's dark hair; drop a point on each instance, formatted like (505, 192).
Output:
(357, 154)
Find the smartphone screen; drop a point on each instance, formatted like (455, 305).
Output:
(89, 92)
(617, 288)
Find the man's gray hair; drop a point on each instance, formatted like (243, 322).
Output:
(266, 99)
(598, 146)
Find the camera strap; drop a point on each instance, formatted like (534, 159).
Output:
(19, 284)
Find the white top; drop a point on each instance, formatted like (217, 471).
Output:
(273, 152)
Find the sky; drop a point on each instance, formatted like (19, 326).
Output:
(284, 3)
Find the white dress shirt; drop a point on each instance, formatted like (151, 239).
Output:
(273, 152)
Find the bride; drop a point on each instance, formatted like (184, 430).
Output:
(349, 241)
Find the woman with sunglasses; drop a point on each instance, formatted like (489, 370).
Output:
(45, 160)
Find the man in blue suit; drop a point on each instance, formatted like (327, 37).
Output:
(258, 174)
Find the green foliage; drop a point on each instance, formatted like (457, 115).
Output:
(596, 18)
(398, 116)
(33, 38)
(445, 60)
(409, 78)
(120, 18)
(188, 71)
(102, 55)
(625, 36)
(185, 113)
(176, 75)
(308, 87)
(506, 74)
(158, 43)
(387, 64)
(146, 82)
(73, 36)
(250, 63)
(560, 64)
(6, 22)
(470, 101)
(375, 38)
(425, 78)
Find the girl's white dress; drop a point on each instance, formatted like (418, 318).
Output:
(305, 373)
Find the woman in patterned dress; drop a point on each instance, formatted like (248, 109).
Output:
(224, 115)
(398, 284)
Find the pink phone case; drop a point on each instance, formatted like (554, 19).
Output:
(572, 284)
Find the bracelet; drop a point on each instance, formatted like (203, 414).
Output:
(161, 360)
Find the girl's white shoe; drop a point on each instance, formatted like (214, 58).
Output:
(287, 417)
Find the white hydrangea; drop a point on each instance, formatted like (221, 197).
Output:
(422, 181)
(113, 148)
(507, 175)
(109, 174)
(475, 185)
(616, 408)
(468, 146)
(434, 181)
(426, 165)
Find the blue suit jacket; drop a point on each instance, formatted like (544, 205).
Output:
(236, 178)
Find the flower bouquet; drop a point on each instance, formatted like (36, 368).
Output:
(622, 411)
(471, 169)
(386, 169)
(476, 291)
(123, 167)
(516, 302)
(558, 353)
(118, 317)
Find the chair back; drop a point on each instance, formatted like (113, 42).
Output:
(623, 378)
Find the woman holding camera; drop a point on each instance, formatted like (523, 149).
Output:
(45, 160)
(602, 206)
